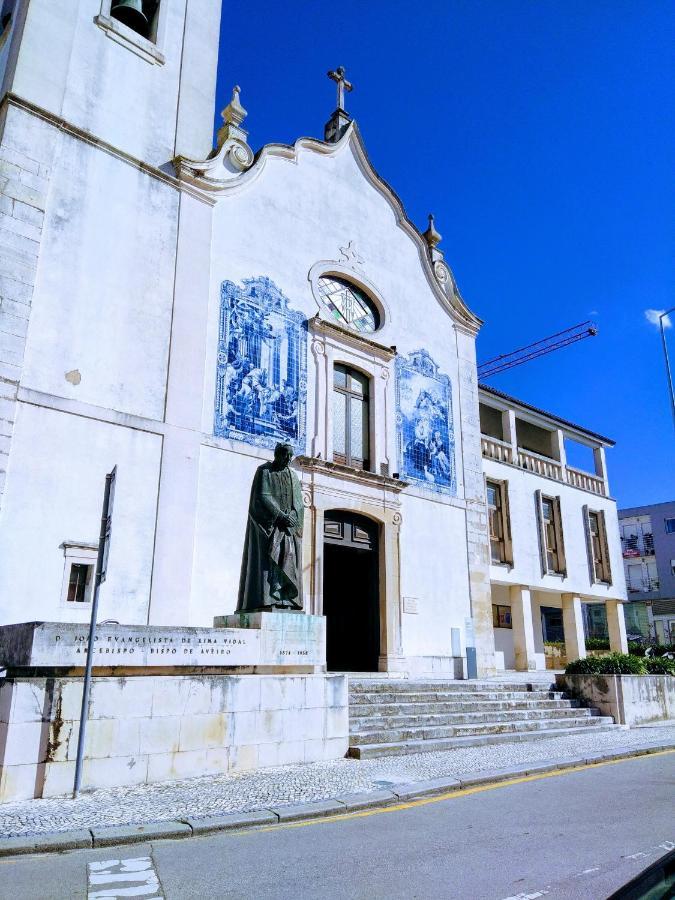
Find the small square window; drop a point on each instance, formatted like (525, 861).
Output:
(670, 526)
(78, 583)
(79, 573)
(501, 616)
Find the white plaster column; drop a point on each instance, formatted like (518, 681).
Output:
(558, 444)
(523, 628)
(379, 421)
(391, 648)
(573, 627)
(601, 466)
(322, 399)
(509, 431)
(314, 555)
(616, 624)
(328, 411)
(179, 474)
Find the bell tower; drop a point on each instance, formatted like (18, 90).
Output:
(139, 75)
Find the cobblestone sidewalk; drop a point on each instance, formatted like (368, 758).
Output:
(219, 794)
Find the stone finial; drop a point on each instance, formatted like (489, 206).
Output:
(234, 113)
(431, 236)
(232, 135)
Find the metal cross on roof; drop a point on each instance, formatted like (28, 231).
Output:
(343, 85)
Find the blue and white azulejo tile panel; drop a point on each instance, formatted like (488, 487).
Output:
(261, 382)
(425, 430)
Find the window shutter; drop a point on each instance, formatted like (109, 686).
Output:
(605, 548)
(562, 559)
(542, 531)
(589, 545)
(506, 523)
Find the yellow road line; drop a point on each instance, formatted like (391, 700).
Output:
(451, 795)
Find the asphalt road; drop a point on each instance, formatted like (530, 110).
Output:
(577, 835)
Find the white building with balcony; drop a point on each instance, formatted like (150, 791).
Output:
(174, 310)
(553, 529)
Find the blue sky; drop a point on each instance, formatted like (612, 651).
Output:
(541, 136)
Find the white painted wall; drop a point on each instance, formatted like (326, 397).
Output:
(54, 493)
(104, 287)
(150, 110)
(434, 571)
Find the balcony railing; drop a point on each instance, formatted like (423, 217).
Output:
(502, 451)
(643, 585)
(585, 481)
(493, 448)
(635, 546)
(540, 465)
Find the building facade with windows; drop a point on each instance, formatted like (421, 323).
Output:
(554, 537)
(648, 547)
(176, 310)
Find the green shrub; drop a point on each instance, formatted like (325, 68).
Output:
(597, 643)
(639, 648)
(613, 664)
(559, 644)
(660, 665)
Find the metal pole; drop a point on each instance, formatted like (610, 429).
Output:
(665, 354)
(84, 713)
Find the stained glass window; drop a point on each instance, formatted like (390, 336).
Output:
(348, 304)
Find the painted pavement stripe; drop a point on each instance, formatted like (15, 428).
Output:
(112, 878)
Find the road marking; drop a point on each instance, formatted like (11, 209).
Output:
(641, 854)
(532, 896)
(120, 878)
(451, 795)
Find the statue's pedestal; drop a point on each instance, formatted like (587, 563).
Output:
(286, 638)
(166, 702)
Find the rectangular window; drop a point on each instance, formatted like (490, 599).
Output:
(597, 547)
(351, 422)
(670, 526)
(499, 525)
(78, 583)
(501, 616)
(551, 543)
(548, 508)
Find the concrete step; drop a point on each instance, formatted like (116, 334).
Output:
(450, 696)
(402, 735)
(370, 751)
(360, 710)
(416, 686)
(377, 722)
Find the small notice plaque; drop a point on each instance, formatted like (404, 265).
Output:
(410, 605)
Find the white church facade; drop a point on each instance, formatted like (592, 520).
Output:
(175, 312)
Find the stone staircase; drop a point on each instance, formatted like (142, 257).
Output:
(388, 717)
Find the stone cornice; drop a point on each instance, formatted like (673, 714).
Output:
(168, 178)
(349, 474)
(319, 325)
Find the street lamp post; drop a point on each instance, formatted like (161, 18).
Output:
(665, 354)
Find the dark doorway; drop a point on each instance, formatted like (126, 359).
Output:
(351, 596)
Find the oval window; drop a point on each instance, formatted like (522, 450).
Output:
(348, 304)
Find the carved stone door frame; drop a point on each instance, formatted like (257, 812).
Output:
(318, 499)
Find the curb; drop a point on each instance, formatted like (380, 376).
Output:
(108, 836)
